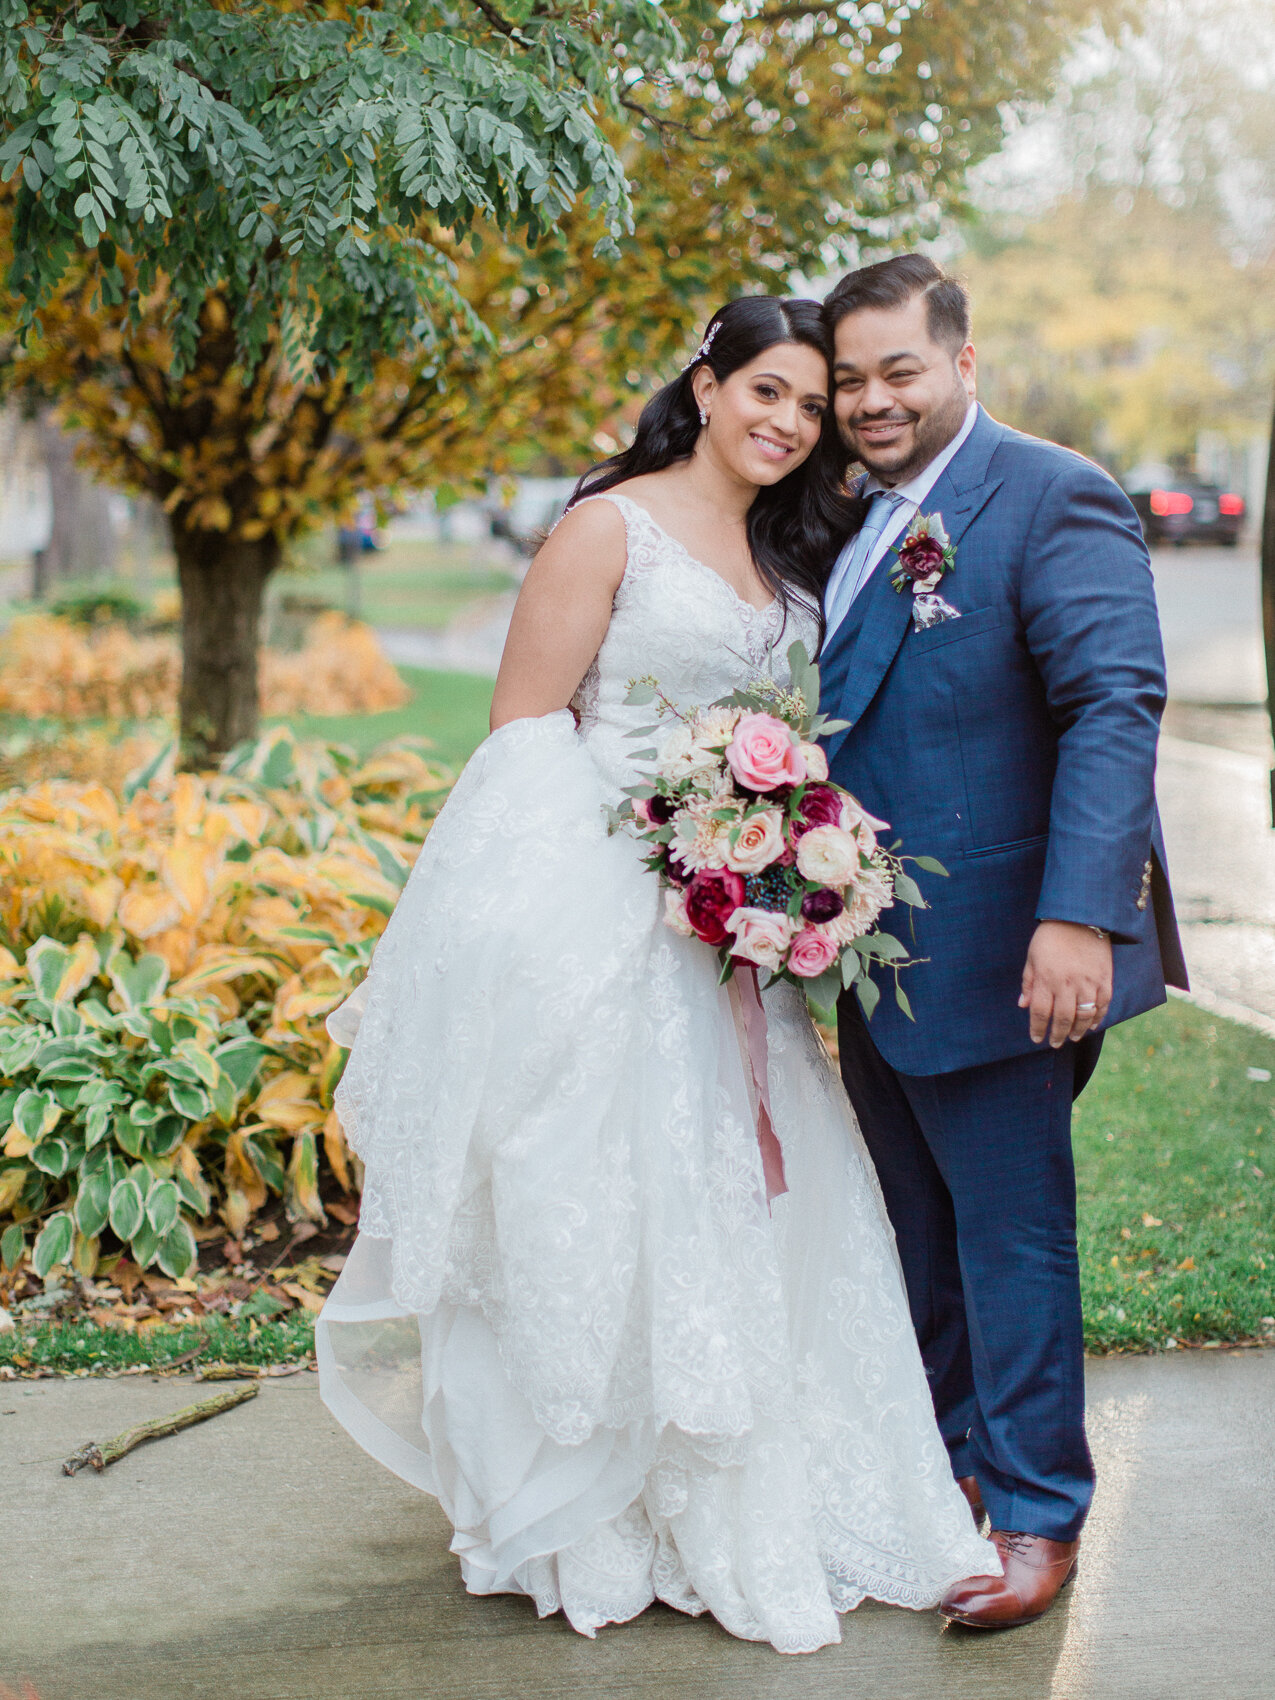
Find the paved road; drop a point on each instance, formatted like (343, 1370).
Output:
(1210, 614)
(262, 1556)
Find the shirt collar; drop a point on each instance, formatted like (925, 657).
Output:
(918, 488)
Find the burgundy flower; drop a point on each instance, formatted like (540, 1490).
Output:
(677, 870)
(660, 809)
(820, 806)
(712, 898)
(921, 556)
(822, 905)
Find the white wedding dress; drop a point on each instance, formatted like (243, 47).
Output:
(570, 1313)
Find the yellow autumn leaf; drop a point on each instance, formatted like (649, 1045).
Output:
(335, 1150)
(12, 1182)
(187, 869)
(145, 910)
(16, 1143)
(242, 1174)
(222, 967)
(101, 898)
(288, 1101)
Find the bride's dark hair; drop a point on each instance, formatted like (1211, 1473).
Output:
(795, 526)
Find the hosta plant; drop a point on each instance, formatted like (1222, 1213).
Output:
(106, 1109)
(155, 940)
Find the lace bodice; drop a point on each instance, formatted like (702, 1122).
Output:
(680, 621)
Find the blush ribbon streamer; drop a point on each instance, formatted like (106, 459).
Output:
(750, 1023)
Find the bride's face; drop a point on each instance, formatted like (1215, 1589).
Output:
(765, 418)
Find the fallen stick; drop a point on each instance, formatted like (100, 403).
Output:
(237, 1372)
(99, 1455)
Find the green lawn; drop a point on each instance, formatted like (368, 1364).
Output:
(450, 709)
(420, 585)
(1175, 1149)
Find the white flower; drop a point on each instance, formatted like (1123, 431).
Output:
(760, 842)
(871, 892)
(714, 726)
(816, 762)
(682, 758)
(698, 839)
(829, 855)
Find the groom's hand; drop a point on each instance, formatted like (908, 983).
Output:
(1066, 981)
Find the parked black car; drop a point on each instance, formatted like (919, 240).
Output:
(1186, 511)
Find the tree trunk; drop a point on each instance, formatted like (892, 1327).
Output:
(222, 581)
(1268, 594)
(81, 538)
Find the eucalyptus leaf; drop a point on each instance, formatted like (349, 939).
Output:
(931, 866)
(868, 993)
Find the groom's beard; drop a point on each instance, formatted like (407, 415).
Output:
(931, 432)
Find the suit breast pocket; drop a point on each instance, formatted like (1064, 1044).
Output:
(947, 632)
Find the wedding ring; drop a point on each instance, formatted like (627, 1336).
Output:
(1085, 1008)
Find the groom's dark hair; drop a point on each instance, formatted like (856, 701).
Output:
(893, 283)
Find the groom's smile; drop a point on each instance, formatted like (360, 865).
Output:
(901, 395)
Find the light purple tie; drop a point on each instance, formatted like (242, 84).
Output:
(875, 521)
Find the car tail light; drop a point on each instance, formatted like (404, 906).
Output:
(1230, 504)
(1165, 502)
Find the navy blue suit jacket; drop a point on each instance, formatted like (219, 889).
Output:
(1016, 744)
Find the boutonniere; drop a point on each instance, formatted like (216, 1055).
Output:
(922, 559)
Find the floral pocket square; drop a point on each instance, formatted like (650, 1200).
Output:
(929, 609)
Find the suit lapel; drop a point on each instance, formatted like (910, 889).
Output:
(959, 495)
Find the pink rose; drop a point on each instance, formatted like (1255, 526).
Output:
(711, 899)
(764, 754)
(761, 936)
(675, 915)
(812, 953)
(760, 842)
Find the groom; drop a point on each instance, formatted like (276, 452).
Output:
(1003, 718)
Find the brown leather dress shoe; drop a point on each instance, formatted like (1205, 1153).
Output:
(970, 1488)
(1036, 1569)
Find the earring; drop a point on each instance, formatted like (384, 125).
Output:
(703, 417)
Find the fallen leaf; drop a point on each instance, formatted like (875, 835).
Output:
(343, 1214)
(1149, 1221)
(1187, 1263)
(268, 1231)
(311, 1301)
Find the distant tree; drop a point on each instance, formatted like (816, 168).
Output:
(269, 255)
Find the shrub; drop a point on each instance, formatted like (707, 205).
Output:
(71, 669)
(168, 953)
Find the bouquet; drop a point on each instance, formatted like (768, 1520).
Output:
(760, 854)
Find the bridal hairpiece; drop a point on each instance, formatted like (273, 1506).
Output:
(701, 353)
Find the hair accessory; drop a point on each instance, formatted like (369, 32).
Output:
(701, 353)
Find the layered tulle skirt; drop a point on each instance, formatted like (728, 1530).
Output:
(570, 1313)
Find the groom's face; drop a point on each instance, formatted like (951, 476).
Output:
(900, 396)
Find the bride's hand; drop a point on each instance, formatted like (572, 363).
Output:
(562, 614)
(1066, 981)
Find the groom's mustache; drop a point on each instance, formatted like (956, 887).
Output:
(884, 419)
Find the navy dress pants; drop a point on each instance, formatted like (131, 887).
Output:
(977, 1172)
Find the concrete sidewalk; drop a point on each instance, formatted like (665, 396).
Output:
(263, 1557)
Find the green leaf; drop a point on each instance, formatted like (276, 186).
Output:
(178, 1253)
(907, 891)
(36, 1113)
(931, 866)
(868, 993)
(393, 867)
(261, 1304)
(901, 998)
(54, 1244)
(125, 1209)
(138, 983)
(366, 900)
(12, 1244)
(47, 963)
(822, 994)
(639, 694)
(163, 1202)
(241, 1058)
(190, 1101)
(92, 1203)
(144, 1244)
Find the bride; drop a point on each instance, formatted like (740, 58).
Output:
(571, 1313)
